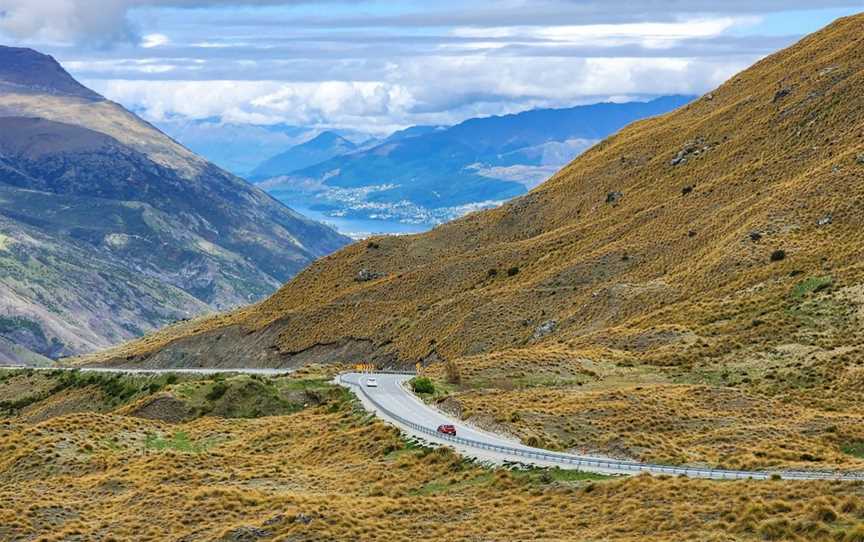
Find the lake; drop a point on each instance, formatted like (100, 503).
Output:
(359, 228)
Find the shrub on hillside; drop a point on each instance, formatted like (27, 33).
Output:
(422, 385)
(217, 392)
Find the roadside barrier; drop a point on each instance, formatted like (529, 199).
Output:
(590, 464)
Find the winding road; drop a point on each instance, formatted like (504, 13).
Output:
(392, 401)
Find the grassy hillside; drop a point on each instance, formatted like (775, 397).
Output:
(89, 457)
(701, 268)
(634, 257)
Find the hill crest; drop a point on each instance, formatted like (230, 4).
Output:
(26, 69)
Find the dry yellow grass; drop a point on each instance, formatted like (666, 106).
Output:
(678, 338)
(644, 276)
(331, 473)
(676, 424)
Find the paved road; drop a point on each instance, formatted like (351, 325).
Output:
(392, 401)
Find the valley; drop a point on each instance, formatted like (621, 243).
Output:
(629, 281)
(661, 340)
(427, 175)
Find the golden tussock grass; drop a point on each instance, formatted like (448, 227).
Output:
(708, 311)
(331, 473)
(660, 276)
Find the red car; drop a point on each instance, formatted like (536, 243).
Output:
(447, 430)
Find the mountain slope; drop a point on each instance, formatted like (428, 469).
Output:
(110, 228)
(318, 149)
(661, 243)
(429, 173)
(24, 71)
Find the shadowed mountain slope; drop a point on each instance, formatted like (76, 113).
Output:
(109, 229)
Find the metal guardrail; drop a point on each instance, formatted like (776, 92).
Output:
(605, 465)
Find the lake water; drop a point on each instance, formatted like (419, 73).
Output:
(360, 228)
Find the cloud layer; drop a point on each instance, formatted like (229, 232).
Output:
(101, 21)
(376, 65)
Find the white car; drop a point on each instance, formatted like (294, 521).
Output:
(371, 383)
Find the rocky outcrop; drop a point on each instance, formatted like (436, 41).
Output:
(233, 347)
(544, 329)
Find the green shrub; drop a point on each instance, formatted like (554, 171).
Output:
(811, 286)
(217, 391)
(853, 448)
(422, 385)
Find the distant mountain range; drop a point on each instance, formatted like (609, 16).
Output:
(323, 147)
(109, 228)
(430, 174)
(238, 148)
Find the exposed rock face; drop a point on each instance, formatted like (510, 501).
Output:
(691, 150)
(109, 229)
(364, 275)
(545, 328)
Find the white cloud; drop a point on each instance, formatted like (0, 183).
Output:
(609, 35)
(437, 90)
(104, 21)
(154, 40)
(65, 20)
(494, 61)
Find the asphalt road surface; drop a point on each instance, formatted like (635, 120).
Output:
(392, 401)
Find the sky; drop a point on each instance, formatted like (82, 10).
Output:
(376, 66)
